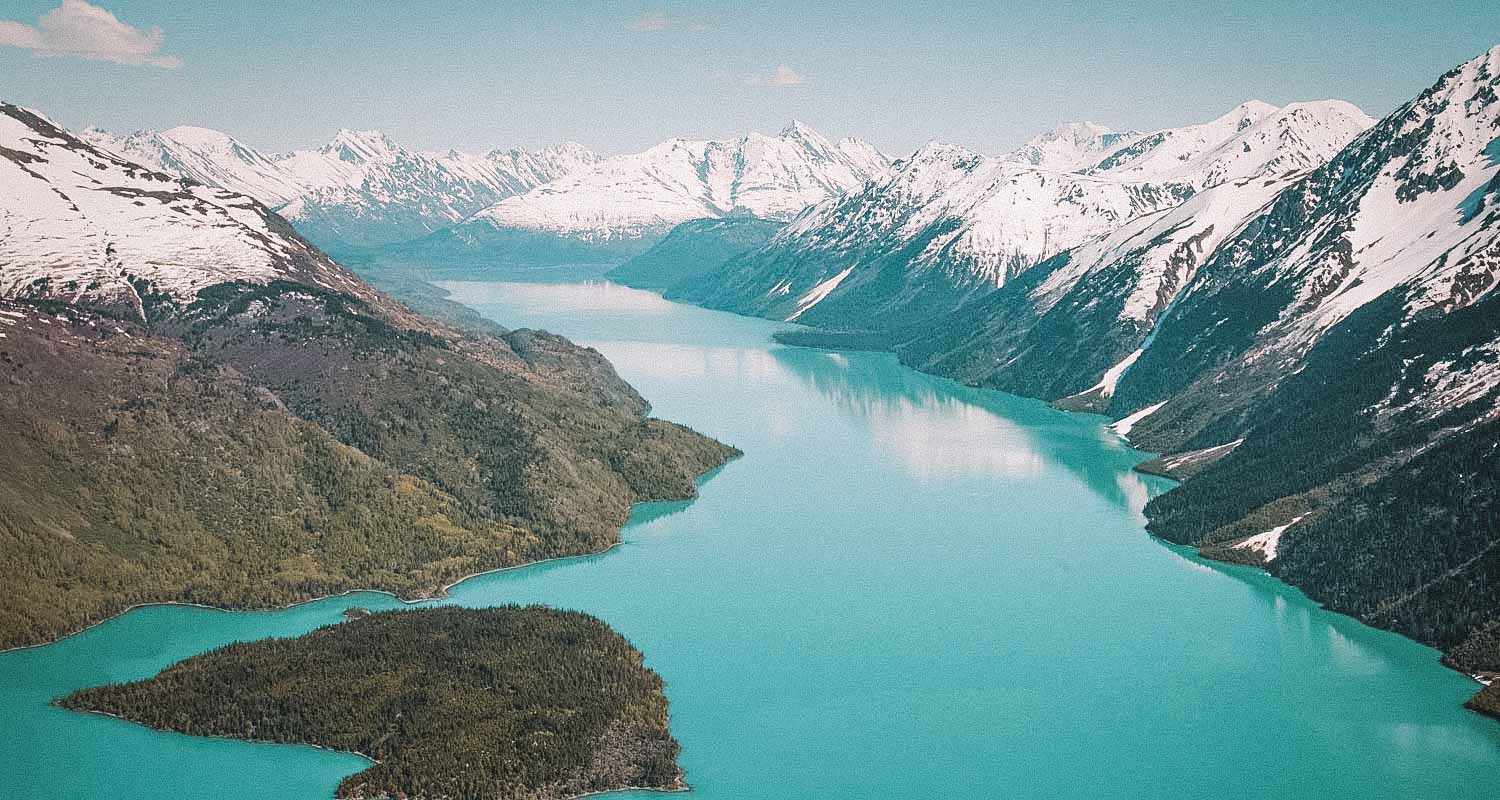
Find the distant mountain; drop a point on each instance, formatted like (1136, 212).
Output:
(201, 406)
(1071, 146)
(941, 226)
(360, 189)
(948, 225)
(693, 249)
(622, 205)
(1254, 139)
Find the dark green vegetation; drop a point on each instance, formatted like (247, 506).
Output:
(692, 250)
(270, 444)
(482, 248)
(449, 703)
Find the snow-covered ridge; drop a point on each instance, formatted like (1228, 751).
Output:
(628, 196)
(81, 225)
(360, 188)
(1071, 146)
(1402, 225)
(1254, 139)
(962, 224)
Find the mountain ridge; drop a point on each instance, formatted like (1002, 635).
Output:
(949, 224)
(359, 189)
(181, 361)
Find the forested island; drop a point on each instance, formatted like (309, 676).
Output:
(524, 702)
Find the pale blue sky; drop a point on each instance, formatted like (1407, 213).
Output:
(623, 75)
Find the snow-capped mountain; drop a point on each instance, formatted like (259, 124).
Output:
(948, 224)
(622, 205)
(942, 225)
(1347, 342)
(79, 224)
(1317, 352)
(1253, 139)
(1071, 146)
(1406, 215)
(1075, 323)
(360, 189)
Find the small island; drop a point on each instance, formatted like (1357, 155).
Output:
(526, 702)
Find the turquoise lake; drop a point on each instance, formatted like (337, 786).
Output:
(904, 589)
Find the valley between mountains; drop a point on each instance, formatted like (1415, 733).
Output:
(1294, 306)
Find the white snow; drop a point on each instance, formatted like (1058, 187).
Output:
(1126, 425)
(818, 293)
(1071, 146)
(1106, 386)
(1266, 543)
(359, 174)
(1195, 457)
(985, 219)
(773, 177)
(1255, 139)
(78, 223)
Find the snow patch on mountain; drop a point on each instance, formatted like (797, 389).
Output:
(1266, 543)
(636, 195)
(78, 224)
(360, 188)
(1071, 146)
(819, 292)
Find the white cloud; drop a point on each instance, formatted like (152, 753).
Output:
(656, 21)
(77, 28)
(783, 75)
(651, 22)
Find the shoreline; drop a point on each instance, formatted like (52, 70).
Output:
(681, 784)
(1146, 467)
(441, 593)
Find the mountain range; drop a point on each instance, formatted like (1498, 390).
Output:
(361, 195)
(359, 190)
(949, 224)
(1311, 338)
(203, 407)
(622, 205)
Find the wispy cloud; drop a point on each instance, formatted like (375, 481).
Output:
(78, 28)
(783, 75)
(656, 21)
(651, 22)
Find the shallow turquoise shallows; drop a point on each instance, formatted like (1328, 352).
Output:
(905, 589)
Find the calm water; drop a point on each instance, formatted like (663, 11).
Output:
(905, 589)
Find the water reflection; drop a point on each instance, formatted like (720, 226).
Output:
(563, 298)
(939, 429)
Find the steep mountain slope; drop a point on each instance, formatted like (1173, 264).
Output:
(692, 250)
(943, 225)
(623, 205)
(360, 189)
(204, 407)
(1075, 323)
(948, 225)
(1254, 139)
(80, 225)
(1327, 378)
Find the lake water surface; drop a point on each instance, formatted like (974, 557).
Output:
(905, 589)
